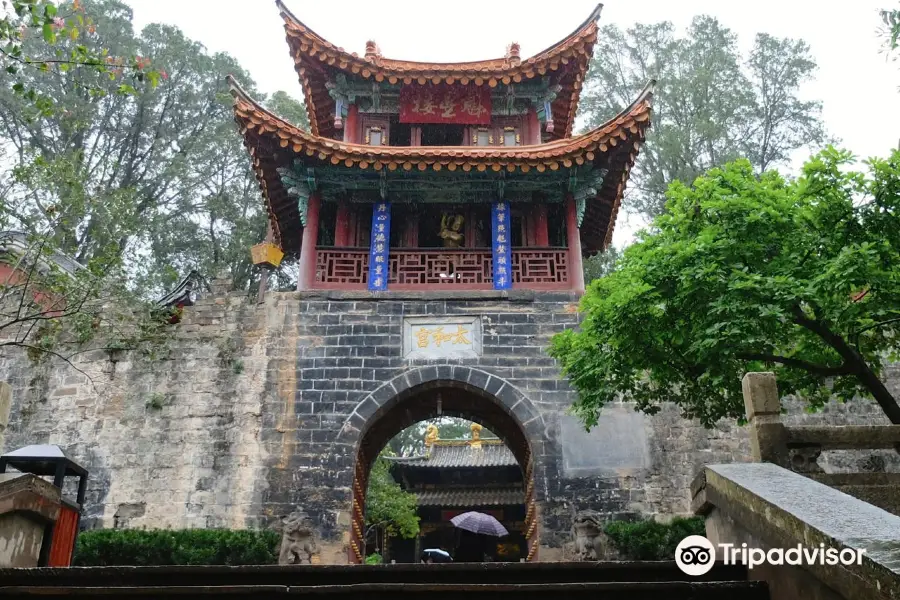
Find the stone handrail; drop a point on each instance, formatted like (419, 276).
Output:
(847, 437)
(769, 507)
(798, 448)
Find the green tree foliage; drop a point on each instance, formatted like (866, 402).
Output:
(140, 184)
(139, 547)
(711, 105)
(891, 20)
(749, 273)
(48, 24)
(289, 109)
(157, 177)
(390, 511)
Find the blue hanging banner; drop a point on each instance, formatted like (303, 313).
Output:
(500, 243)
(379, 246)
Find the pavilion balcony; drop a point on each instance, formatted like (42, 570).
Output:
(347, 268)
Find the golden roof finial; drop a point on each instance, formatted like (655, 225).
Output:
(476, 436)
(431, 435)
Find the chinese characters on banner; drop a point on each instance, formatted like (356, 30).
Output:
(464, 105)
(378, 248)
(500, 242)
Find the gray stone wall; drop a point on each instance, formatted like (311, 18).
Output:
(257, 410)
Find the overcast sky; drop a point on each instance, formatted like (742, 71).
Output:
(858, 87)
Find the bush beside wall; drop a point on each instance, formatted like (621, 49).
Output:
(650, 540)
(138, 547)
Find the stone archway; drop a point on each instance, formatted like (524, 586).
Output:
(427, 392)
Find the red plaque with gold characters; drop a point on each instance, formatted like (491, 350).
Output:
(460, 104)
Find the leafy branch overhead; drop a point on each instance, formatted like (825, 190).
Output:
(711, 105)
(748, 273)
(66, 34)
(891, 20)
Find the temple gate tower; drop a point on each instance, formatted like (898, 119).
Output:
(439, 214)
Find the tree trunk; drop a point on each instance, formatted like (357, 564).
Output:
(879, 391)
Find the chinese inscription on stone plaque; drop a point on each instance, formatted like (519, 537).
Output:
(437, 338)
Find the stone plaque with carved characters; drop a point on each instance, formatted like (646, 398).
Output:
(441, 337)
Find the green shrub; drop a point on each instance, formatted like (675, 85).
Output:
(137, 547)
(649, 540)
(374, 559)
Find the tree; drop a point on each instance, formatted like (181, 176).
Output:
(601, 264)
(748, 273)
(133, 184)
(710, 106)
(891, 20)
(45, 21)
(289, 109)
(49, 303)
(390, 511)
(158, 176)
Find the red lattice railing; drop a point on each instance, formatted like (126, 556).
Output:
(427, 268)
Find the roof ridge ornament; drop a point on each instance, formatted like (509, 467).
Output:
(372, 50)
(513, 54)
(475, 442)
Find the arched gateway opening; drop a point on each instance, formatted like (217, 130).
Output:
(462, 393)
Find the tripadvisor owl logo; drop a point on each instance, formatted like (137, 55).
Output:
(695, 555)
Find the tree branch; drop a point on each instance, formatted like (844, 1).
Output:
(844, 369)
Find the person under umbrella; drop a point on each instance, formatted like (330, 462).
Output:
(435, 555)
(479, 524)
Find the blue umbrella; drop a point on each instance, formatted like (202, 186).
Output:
(477, 522)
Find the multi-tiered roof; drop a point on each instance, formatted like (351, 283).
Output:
(560, 161)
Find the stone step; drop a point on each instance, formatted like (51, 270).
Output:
(314, 575)
(672, 590)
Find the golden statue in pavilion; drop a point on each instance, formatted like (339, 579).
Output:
(451, 230)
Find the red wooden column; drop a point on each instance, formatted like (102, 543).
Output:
(307, 274)
(576, 269)
(533, 126)
(342, 227)
(530, 235)
(541, 234)
(410, 238)
(351, 126)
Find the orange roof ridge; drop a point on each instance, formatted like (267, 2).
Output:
(291, 21)
(316, 60)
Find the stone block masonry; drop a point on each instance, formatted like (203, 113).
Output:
(257, 410)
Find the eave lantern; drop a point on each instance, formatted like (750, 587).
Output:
(266, 255)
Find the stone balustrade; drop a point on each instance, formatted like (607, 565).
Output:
(786, 500)
(799, 448)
